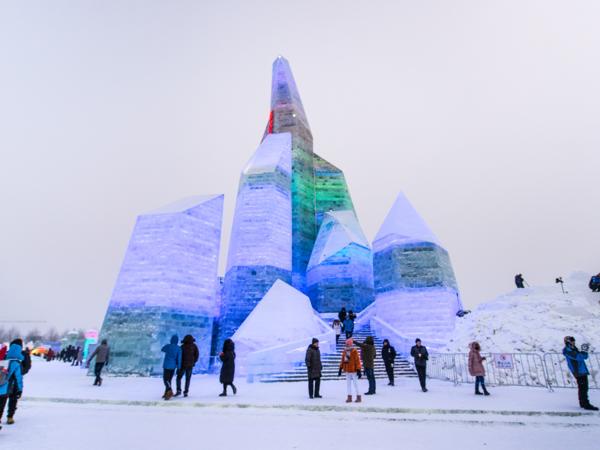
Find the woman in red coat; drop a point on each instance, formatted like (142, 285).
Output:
(476, 368)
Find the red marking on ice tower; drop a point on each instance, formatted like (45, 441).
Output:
(271, 122)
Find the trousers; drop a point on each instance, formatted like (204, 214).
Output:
(188, 377)
(314, 384)
(351, 381)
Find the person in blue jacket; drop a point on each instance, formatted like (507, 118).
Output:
(11, 380)
(171, 363)
(576, 362)
(348, 327)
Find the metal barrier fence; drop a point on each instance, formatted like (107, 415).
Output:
(502, 369)
(560, 376)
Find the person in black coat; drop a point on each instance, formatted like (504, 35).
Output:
(227, 356)
(419, 353)
(520, 281)
(388, 354)
(314, 368)
(342, 315)
(189, 358)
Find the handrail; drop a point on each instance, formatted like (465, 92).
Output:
(282, 357)
(381, 328)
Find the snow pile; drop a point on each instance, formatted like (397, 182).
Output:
(533, 319)
(283, 315)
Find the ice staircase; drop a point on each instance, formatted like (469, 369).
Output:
(331, 363)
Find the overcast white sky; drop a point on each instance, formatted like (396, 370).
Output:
(486, 114)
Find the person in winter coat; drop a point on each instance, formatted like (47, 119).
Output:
(388, 354)
(101, 354)
(576, 362)
(337, 327)
(189, 358)
(11, 380)
(348, 327)
(171, 362)
(227, 356)
(3, 350)
(350, 365)
(342, 315)
(314, 368)
(520, 281)
(368, 354)
(594, 283)
(420, 354)
(476, 368)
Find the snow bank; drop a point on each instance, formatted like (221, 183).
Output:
(534, 319)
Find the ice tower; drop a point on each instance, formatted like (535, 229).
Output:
(167, 284)
(260, 250)
(284, 192)
(340, 271)
(415, 287)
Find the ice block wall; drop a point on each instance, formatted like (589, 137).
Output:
(167, 285)
(415, 286)
(340, 271)
(331, 190)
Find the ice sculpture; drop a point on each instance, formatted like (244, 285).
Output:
(287, 115)
(415, 287)
(331, 191)
(283, 315)
(340, 271)
(260, 250)
(167, 284)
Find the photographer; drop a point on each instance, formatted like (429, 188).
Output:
(576, 362)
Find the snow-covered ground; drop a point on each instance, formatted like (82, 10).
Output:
(62, 410)
(534, 319)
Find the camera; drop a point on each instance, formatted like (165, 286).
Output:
(585, 347)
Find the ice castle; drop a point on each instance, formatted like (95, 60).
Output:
(296, 244)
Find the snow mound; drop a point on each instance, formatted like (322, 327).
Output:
(534, 319)
(283, 315)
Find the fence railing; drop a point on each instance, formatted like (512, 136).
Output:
(502, 369)
(560, 376)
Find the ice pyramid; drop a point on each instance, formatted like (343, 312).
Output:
(283, 315)
(167, 284)
(403, 225)
(340, 271)
(415, 286)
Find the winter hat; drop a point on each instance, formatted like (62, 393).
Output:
(315, 340)
(349, 342)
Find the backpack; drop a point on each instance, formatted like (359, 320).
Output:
(4, 372)
(26, 363)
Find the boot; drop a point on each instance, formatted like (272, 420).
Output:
(349, 399)
(358, 399)
(177, 394)
(477, 392)
(234, 389)
(223, 394)
(590, 407)
(10, 420)
(485, 392)
(169, 394)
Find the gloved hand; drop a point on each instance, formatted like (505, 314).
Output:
(392, 366)
(359, 373)
(19, 393)
(340, 373)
